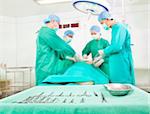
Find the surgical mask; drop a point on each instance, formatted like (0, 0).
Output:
(67, 39)
(105, 26)
(97, 36)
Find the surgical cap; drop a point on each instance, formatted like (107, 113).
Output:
(104, 15)
(52, 17)
(95, 28)
(68, 32)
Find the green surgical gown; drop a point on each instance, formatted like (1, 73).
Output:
(93, 47)
(120, 55)
(51, 54)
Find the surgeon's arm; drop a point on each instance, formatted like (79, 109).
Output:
(86, 50)
(57, 44)
(85, 56)
(118, 38)
(71, 58)
(106, 58)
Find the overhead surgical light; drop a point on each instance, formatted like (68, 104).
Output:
(94, 7)
(45, 2)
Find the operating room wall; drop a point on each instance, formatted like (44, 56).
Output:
(8, 40)
(18, 36)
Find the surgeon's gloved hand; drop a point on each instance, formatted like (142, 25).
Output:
(87, 58)
(98, 58)
(71, 58)
(77, 58)
(98, 63)
(101, 53)
(89, 62)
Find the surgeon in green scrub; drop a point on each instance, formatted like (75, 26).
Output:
(68, 36)
(52, 51)
(97, 43)
(119, 51)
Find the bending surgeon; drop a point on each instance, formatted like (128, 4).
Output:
(68, 36)
(119, 52)
(97, 43)
(51, 51)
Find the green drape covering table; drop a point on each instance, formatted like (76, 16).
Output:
(75, 99)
